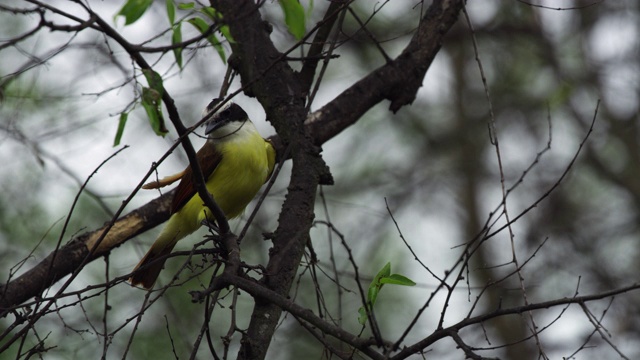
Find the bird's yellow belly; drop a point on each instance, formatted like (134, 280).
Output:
(233, 184)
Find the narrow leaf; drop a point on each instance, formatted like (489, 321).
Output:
(199, 24)
(213, 40)
(294, 17)
(133, 10)
(362, 318)
(224, 30)
(203, 27)
(216, 17)
(211, 13)
(154, 80)
(186, 6)
(384, 272)
(123, 121)
(151, 104)
(176, 38)
(171, 11)
(397, 279)
(372, 294)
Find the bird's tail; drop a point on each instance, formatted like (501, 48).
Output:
(148, 269)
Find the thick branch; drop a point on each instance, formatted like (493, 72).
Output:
(70, 256)
(266, 75)
(397, 80)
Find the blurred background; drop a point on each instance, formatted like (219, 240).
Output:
(431, 167)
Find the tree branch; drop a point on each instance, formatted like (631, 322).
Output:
(439, 334)
(68, 258)
(397, 80)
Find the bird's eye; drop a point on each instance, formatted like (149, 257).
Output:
(225, 112)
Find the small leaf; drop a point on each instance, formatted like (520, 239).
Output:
(362, 318)
(384, 272)
(294, 17)
(151, 103)
(211, 13)
(199, 24)
(213, 40)
(216, 17)
(203, 27)
(154, 80)
(384, 276)
(171, 11)
(133, 10)
(176, 38)
(186, 6)
(150, 97)
(224, 30)
(372, 294)
(397, 279)
(376, 285)
(123, 121)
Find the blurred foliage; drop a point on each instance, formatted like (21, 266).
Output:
(433, 162)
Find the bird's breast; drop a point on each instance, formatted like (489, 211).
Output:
(242, 171)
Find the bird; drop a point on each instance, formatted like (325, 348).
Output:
(235, 161)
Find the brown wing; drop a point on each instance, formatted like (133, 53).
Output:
(208, 158)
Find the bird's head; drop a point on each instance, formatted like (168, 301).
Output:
(225, 122)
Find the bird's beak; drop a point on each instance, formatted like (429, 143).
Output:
(214, 124)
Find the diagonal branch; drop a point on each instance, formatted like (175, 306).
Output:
(439, 334)
(69, 257)
(398, 80)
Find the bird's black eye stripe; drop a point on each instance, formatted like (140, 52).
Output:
(234, 113)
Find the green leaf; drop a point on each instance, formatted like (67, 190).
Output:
(384, 276)
(362, 318)
(199, 24)
(384, 272)
(397, 279)
(216, 17)
(154, 80)
(176, 38)
(186, 6)
(151, 104)
(224, 30)
(372, 294)
(150, 96)
(133, 10)
(211, 13)
(123, 121)
(151, 101)
(294, 17)
(376, 285)
(213, 40)
(203, 27)
(171, 11)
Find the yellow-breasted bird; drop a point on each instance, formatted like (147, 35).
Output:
(236, 161)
